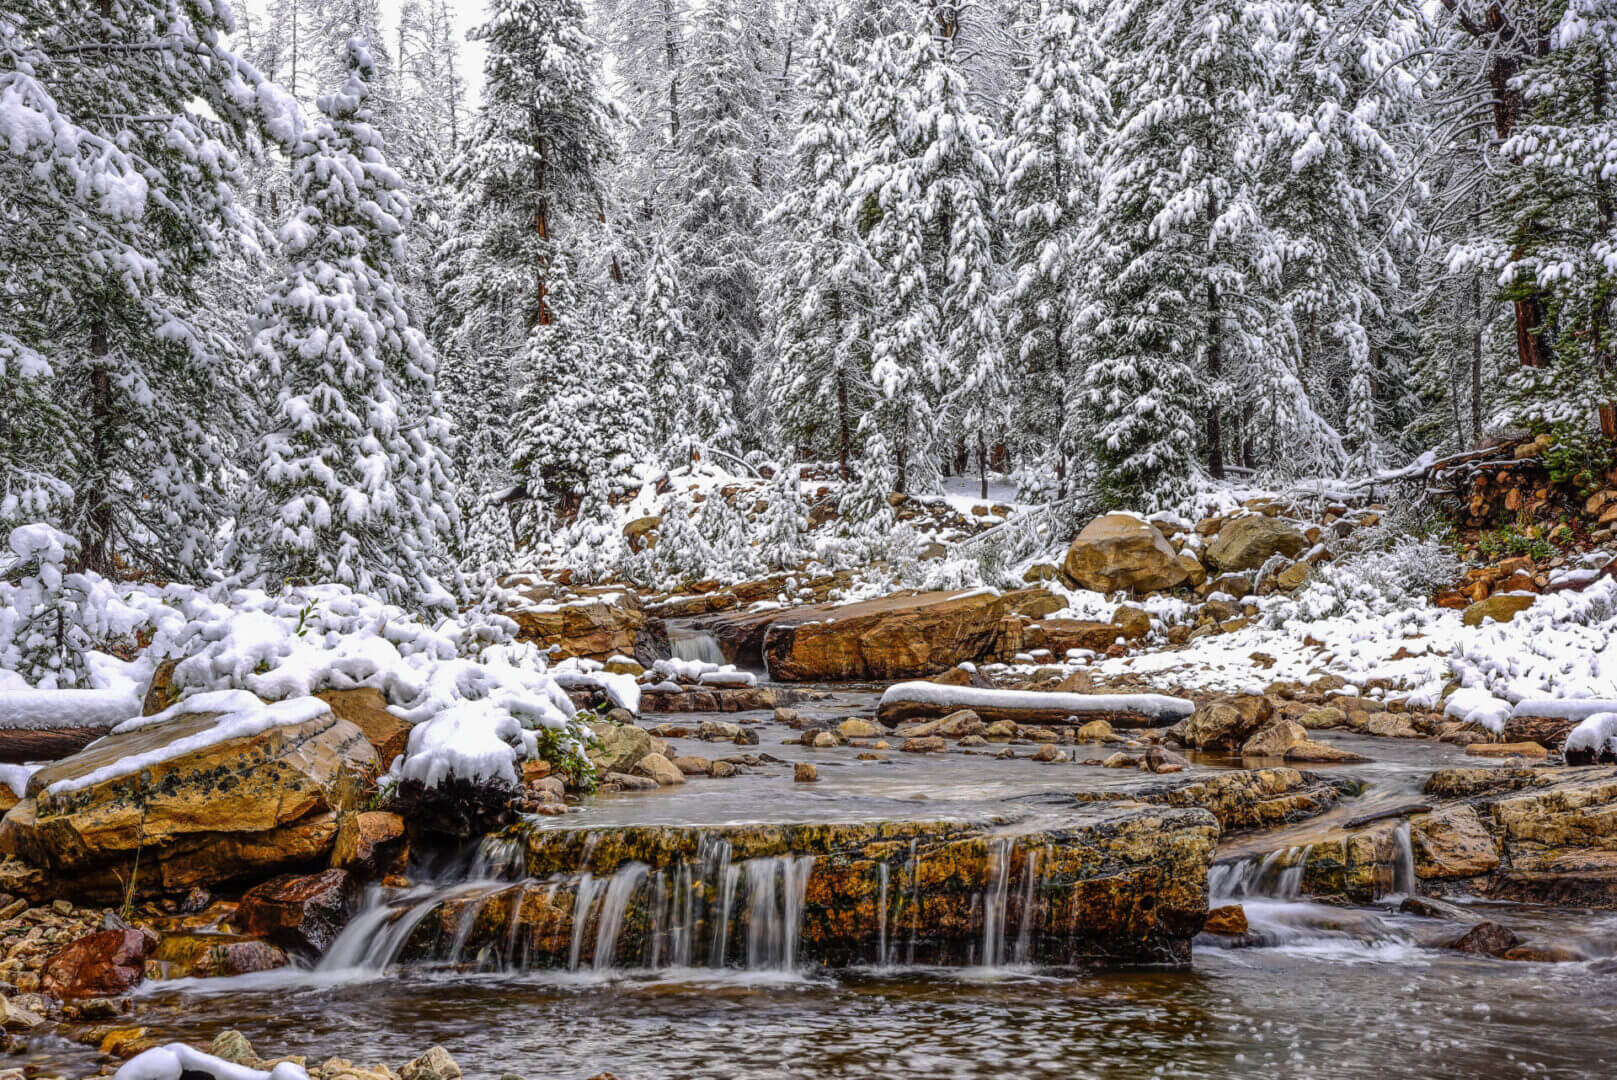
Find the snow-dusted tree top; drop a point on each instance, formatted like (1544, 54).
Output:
(1108, 247)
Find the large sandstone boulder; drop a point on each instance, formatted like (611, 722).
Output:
(1121, 551)
(1224, 725)
(908, 635)
(597, 627)
(300, 912)
(107, 963)
(1246, 543)
(199, 812)
(366, 708)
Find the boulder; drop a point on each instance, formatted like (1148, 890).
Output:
(857, 727)
(805, 772)
(304, 913)
(1246, 543)
(1309, 752)
(367, 843)
(1132, 621)
(366, 709)
(1274, 739)
(1121, 551)
(1224, 725)
(1229, 920)
(619, 747)
(959, 724)
(1452, 843)
(255, 804)
(1195, 572)
(107, 963)
(1501, 607)
(1484, 938)
(193, 955)
(1060, 635)
(660, 769)
(596, 627)
(1095, 731)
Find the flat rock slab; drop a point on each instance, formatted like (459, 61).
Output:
(1109, 885)
(908, 701)
(903, 636)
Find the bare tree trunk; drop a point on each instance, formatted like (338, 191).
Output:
(982, 462)
(1215, 364)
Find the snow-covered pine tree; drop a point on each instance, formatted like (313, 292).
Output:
(783, 530)
(819, 378)
(1180, 285)
(1055, 132)
(527, 184)
(351, 478)
(682, 554)
(865, 517)
(126, 124)
(716, 205)
(928, 178)
(659, 331)
(581, 411)
(728, 537)
(42, 633)
(647, 40)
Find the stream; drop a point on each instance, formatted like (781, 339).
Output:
(1317, 990)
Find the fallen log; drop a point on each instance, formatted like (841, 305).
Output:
(19, 745)
(926, 700)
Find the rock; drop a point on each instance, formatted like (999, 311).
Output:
(1041, 572)
(1078, 682)
(1095, 731)
(1504, 750)
(1034, 603)
(905, 702)
(805, 772)
(107, 963)
(824, 740)
(1323, 718)
(924, 744)
(1452, 843)
(1041, 735)
(366, 709)
(961, 723)
(789, 717)
(1293, 576)
(1195, 572)
(304, 913)
(857, 727)
(1159, 759)
(1118, 760)
(1247, 798)
(1485, 938)
(721, 770)
(195, 955)
(1224, 725)
(1390, 726)
(1544, 954)
(1049, 752)
(718, 731)
(435, 1064)
(1309, 752)
(1003, 729)
(1228, 920)
(256, 804)
(1428, 908)
(595, 627)
(1062, 635)
(616, 781)
(1246, 543)
(232, 1046)
(691, 765)
(1501, 607)
(1121, 551)
(368, 842)
(659, 769)
(907, 635)
(1274, 740)
(641, 532)
(1134, 623)
(619, 747)
(622, 665)
(13, 1017)
(972, 740)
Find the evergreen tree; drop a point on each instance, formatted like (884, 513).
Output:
(1049, 198)
(819, 382)
(783, 530)
(351, 477)
(660, 334)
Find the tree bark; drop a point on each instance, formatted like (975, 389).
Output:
(982, 462)
(1215, 364)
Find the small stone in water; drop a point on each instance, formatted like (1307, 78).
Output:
(805, 772)
(1118, 760)
(1230, 919)
(925, 744)
(1048, 752)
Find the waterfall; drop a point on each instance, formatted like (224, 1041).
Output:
(1029, 914)
(1403, 867)
(994, 905)
(775, 889)
(1277, 875)
(881, 918)
(583, 897)
(619, 891)
(687, 644)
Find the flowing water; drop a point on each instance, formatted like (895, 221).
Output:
(697, 969)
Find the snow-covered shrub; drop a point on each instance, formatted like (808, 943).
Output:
(50, 618)
(1373, 580)
(682, 554)
(783, 532)
(726, 533)
(593, 545)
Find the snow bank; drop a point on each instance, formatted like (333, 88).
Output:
(1475, 705)
(28, 708)
(1597, 735)
(175, 1060)
(1156, 706)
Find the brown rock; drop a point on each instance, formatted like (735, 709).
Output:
(660, 769)
(1229, 920)
(366, 709)
(305, 912)
(1452, 843)
(368, 842)
(1246, 543)
(597, 627)
(107, 963)
(1309, 752)
(924, 744)
(1121, 551)
(1504, 750)
(693, 766)
(435, 1064)
(1195, 572)
(857, 727)
(1223, 725)
(1500, 608)
(1095, 731)
(1134, 623)
(805, 772)
(1485, 938)
(1049, 752)
(190, 955)
(1274, 740)
(960, 724)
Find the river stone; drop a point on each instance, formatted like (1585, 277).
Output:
(193, 955)
(1246, 798)
(691, 765)
(659, 769)
(1224, 725)
(825, 740)
(1121, 551)
(717, 731)
(1274, 739)
(1309, 752)
(616, 781)
(805, 772)
(924, 744)
(300, 912)
(960, 724)
(435, 1064)
(1505, 750)
(619, 747)
(1095, 731)
(1246, 543)
(1452, 843)
(107, 963)
(1324, 717)
(1227, 920)
(252, 805)
(857, 727)
(1049, 752)
(1486, 938)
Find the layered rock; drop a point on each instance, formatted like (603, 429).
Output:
(1246, 543)
(896, 637)
(597, 627)
(1114, 884)
(252, 805)
(923, 701)
(1121, 551)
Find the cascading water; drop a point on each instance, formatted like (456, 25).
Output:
(688, 644)
(1403, 866)
(1277, 875)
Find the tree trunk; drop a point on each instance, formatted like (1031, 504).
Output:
(95, 496)
(844, 429)
(541, 226)
(982, 462)
(1476, 359)
(1215, 364)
